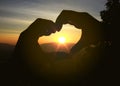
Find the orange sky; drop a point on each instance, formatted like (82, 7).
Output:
(9, 38)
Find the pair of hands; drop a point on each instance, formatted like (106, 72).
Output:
(91, 28)
(28, 49)
(66, 16)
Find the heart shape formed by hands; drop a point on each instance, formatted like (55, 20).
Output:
(28, 50)
(66, 38)
(91, 28)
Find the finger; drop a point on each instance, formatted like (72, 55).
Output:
(50, 27)
(53, 27)
(38, 23)
(61, 19)
(66, 16)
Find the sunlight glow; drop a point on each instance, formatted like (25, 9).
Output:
(70, 33)
(62, 39)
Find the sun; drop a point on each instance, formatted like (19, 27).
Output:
(61, 40)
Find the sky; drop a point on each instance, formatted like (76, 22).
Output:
(17, 15)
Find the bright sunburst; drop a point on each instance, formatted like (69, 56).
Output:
(62, 40)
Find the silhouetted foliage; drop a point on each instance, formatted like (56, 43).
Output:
(111, 19)
(112, 13)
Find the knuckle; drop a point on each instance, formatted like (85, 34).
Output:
(38, 19)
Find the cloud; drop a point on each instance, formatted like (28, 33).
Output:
(35, 7)
(18, 14)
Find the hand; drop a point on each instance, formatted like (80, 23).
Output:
(42, 27)
(78, 19)
(91, 28)
(27, 50)
(28, 39)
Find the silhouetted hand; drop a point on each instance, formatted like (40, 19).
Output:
(29, 38)
(28, 53)
(41, 27)
(91, 28)
(78, 19)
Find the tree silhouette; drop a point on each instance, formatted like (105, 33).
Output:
(111, 15)
(111, 19)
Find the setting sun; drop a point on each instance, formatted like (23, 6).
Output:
(62, 40)
(68, 34)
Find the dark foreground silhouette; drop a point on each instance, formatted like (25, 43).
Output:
(85, 64)
(90, 61)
